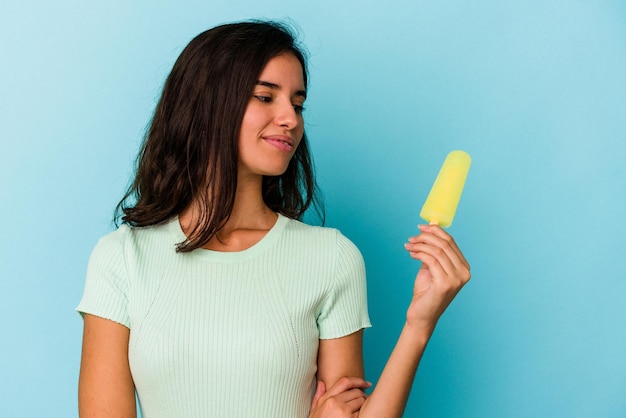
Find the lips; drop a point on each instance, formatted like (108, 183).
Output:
(281, 142)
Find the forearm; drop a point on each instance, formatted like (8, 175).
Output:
(390, 395)
(443, 273)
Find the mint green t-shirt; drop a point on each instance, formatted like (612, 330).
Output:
(227, 334)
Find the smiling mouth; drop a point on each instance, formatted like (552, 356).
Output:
(281, 143)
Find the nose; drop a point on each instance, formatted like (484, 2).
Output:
(286, 115)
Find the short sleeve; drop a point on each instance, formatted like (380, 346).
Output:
(344, 310)
(106, 284)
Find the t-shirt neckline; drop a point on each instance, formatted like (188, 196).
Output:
(235, 256)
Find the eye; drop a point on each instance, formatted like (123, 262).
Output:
(298, 109)
(264, 99)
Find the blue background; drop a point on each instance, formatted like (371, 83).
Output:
(535, 91)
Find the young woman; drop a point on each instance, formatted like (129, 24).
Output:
(212, 298)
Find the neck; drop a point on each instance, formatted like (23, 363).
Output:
(250, 213)
(249, 210)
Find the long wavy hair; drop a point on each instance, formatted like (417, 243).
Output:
(190, 152)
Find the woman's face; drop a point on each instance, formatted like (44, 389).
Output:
(273, 126)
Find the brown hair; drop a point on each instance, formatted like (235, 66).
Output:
(191, 148)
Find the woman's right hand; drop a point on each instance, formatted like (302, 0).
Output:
(343, 400)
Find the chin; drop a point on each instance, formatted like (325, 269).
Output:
(275, 172)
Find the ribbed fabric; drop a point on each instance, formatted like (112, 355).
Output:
(216, 334)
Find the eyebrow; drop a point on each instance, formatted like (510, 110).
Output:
(275, 86)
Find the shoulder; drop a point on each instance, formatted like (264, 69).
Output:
(123, 236)
(128, 240)
(111, 244)
(322, 239)
(301, 230)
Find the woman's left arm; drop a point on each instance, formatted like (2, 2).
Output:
(340, 377)
(444, 272)
(339, 357)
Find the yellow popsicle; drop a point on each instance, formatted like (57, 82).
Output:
(443, 199)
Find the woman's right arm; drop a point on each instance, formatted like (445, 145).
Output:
(105, 385)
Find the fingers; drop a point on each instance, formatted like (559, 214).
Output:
(438, 250)
(347, 383)
(445, 239)
(349, 401)
(444, 272)
(343, 399)
(434, 235)
(347, 393)
(319, 391)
